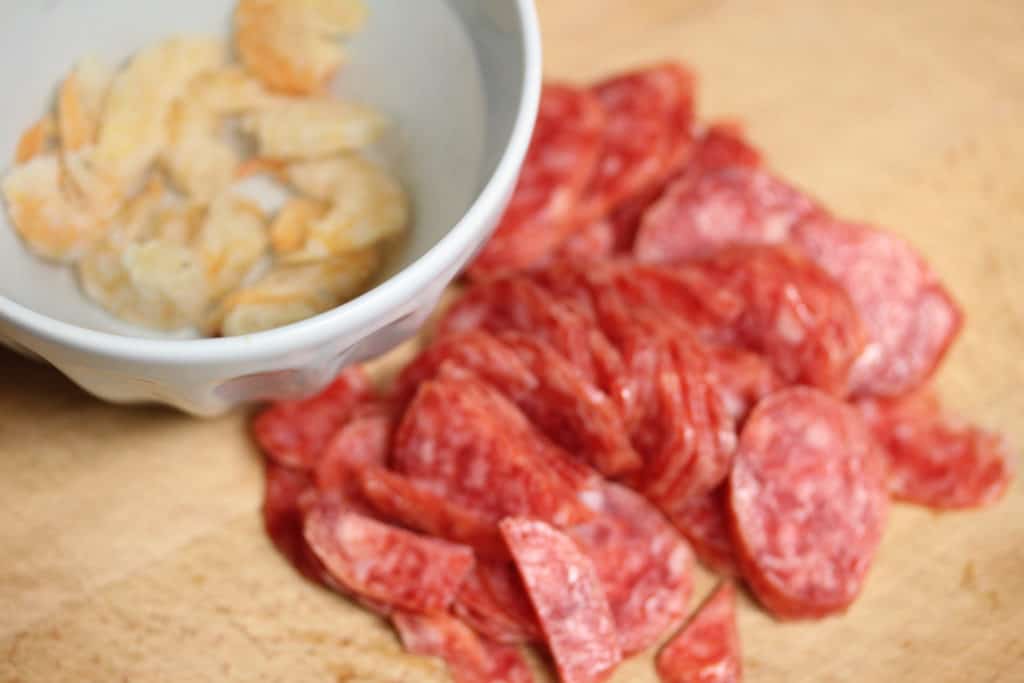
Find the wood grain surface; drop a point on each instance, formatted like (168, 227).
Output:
(130, 542)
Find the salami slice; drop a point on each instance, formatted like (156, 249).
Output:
(682, 140)
(624, 221)
(697, 216)
(910, 317)
(664, 289)
(693, 297)
(626, 216)
(567, 594)
(794, 314)
(601, 292)
(493, 601)
(704, 521)
(688, 298)
(604, 308)
(465, 441)
(673, 411)
(519, 304)
(723, 198)
(707, 650)
(570, 410)
(698, 454)
(644, 566)
(724, 145)
(562, 155)
(649, 393)
(808, 503)
(663, 433)
(475, 350)
(470, 658)
(935, 459)
(741, 377)
(283, 517)
(384, 563)
(294, 433)
(591, 241)
(564, 406)
(403, 501)
(363, 441)
(289, 499)
(647, 114)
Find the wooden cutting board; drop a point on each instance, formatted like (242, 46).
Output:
(130, 543)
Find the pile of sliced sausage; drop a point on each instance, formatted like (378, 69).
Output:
(666, 350)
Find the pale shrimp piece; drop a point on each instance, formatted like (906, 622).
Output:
(105, 280)
(290, 227)
(335, 18)
(153, 214)
(152, 283)
(102, 271)
(133, 128)
(142, 273)
(276, 168)
(232, 240)
(98, 188)
(289, 293)
(37, 139)
(319, 179)
(229, 91)
(179, 224)
(291, 45)
(200, 162)
(312, 128)
(51, 216)
(367, 205)
(198, 158)
(80, 103)
(136, 219)
(170, 281)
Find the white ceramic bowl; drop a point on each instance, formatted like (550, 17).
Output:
(460, 79)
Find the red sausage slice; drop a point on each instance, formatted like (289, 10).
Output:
(387, 564)
(401, 500)
(624, 218)
(569, 599)
(283, 517)
(704, 520)
(465, 441)
(648, 114)
(493, 601)
(592, 240)
(470, 658)
(707, 650)
(294, 433)
(519, 304)
(808, 503)
(562, 404)
(362, 442)
(644, 566)
(705, 432)
(724, 198)
(476, 350)
(794, 314)
(540, 215)
(910, 317)
(571, 411)
(742, 378)
(936, 459)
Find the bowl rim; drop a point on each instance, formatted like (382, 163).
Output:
(364, 310)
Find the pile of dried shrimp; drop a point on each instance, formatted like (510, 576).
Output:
(132, 178)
